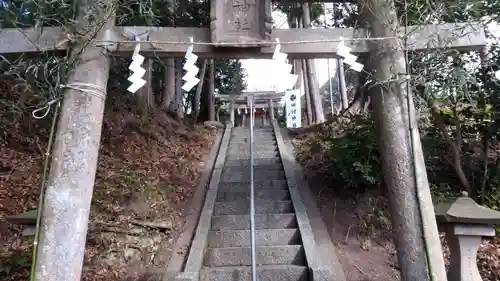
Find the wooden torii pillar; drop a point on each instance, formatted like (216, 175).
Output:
(231, 109)
(271, 109)
(262, 97)
(66, 206)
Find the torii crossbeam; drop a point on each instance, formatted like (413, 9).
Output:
(297, 43)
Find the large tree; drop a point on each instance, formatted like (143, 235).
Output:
(304, 16)
(389, 87)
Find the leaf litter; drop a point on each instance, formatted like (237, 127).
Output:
(488, 256)
(147, 171)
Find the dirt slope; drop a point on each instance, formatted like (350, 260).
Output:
(147, 172)
(360, 228)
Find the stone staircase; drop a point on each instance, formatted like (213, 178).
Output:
(289, 245)
(280, 254)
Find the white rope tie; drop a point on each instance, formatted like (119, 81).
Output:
(47, 107)
(86, 88)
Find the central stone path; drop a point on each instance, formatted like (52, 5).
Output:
(279, 251)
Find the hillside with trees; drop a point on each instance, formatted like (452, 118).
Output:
(456, 97)
(153, 146)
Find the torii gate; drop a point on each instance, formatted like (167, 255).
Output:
(239, 29)
(297, 43)
(266, 100)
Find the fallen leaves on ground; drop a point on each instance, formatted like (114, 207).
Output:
(488, 258)
(147, 170)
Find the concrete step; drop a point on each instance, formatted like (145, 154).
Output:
(258, 185)
(246, 134)
(262, 221)
(269, 128)
(263, 237)
(255, 130)
(246, 149)
(238, 256)
(264, 273)
(257, 168)
(242, 207)
(245, 129)
(268, 152)
(256, 133)
(257, 162)
(258, 140)
(246, 156)
(269, 194)
(256, 144)
(246, 137)
(256, 137)
(238, 154)
(264, 146)
(242, 176)
(245, 166)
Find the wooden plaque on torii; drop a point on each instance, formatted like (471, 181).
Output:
(244, 23)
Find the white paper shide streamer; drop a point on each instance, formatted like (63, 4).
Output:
(286, 80)
(349, 58)
(191, 69)
(137, 70)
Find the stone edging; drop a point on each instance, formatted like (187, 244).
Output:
(195, 258)
(323, 267)
(178, 255)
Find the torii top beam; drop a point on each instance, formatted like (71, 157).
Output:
(259, 105)
(312, 1)
(297, 43)
(262, 96)
(257, 100)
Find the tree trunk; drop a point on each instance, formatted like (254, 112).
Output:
(211, 90)
(341, 77)
(169, 91)
(412, 212)
(358, 104)
(455, 145)
(298, 70)
(307, 93)
(299, 67)
(169, 83)
(342, 87)
(361, 100)
(68, 195)
(197, 96)
(484, 56)
(217, 117)
(316, 102)
(179, 95)
(146, 96)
